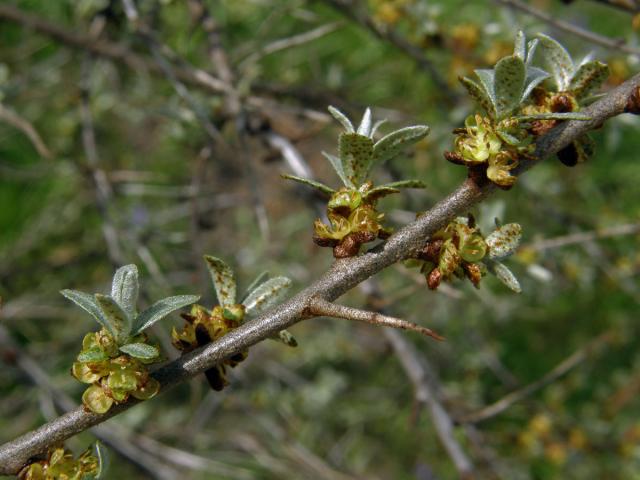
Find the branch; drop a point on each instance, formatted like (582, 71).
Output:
(583, 237)
(22, 124)
(617, 45)
(343, 275)
(321, 307)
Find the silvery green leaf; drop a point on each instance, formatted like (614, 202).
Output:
(266, 295)
(312, 183)
(479, 95)
(161, 309)
(553, 116)
(141, 351)
(124, 288)
(379, 192)
(558, 61)
(535, 76)
(487, 81)
(285, 337)
(342, 118)
(261, 278)
(520, 47)
(588, 78)
(393, 143)
(100, 452)
(94, 354)
(223, 280)
(532, 46)
(88, 304)
(510, 73)
(405, 184)
(336, 163)
(356, 153)
(376, 126)
(365, 125)
(505, 275)
(115, 316)
(504, 240)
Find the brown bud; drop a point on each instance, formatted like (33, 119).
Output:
(348, 247)
(562, 103)
(540, 127)
(633, 102)
(325, 242)
(473, 273)
(431, 251)
(434, 278)
(538, 96)
(568, 155)
(454, 157)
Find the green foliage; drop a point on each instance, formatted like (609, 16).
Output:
(60, 464)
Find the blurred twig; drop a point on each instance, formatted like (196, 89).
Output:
(558, 371)
(583, 237)
(596, 38)
(22, 124)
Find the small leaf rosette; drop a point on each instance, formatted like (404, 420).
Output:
(113, 360)
(518, 108)
(351, 210)
(60, 464)
(461, 251)
(204, 326)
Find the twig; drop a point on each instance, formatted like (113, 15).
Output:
(22, 124)
(416, 369)
(583, 237)
(558, 371)
(340, 278)
(320, 307)
(629, 6)
(617, 45)
(351, 10)
(290, 42)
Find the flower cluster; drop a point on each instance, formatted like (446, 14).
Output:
(460, 250)
(205, 326)
(113, 360)
(351, 210)
(60, 464)
(520, 107)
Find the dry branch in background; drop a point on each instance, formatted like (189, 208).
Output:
(344, 275)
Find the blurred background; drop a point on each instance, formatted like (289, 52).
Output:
(158, 141)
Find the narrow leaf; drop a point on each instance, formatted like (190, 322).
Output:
(376, 126)
(479, 95)
(589, 78)
(532, 46)
(261, 278)
(336, 163)
(342, 118)
(124, 288)
(266, 295)
(558, 61)
(100, 452)
(88, 304)
(356, 154)
(117, 318)
(505, 275)
(379, 192)
(94, 354)
(223, 280)
(312, 183)
(365, 124)
(553, 116)
(535, 76)
(504, 240)
(510, 73)
(161, 309)
(142, 351)
(393, 143)
(405, 184)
